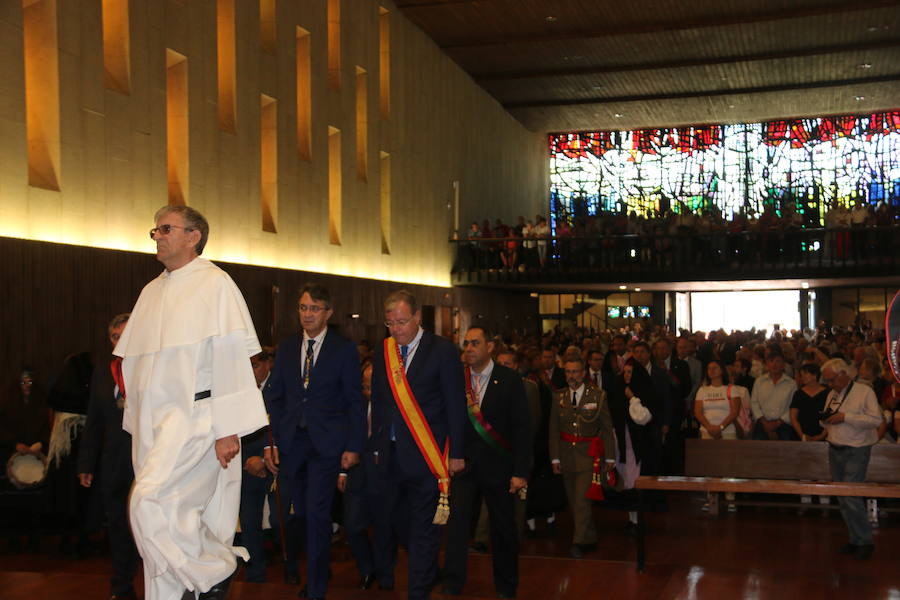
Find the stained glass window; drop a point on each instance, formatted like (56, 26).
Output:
(810, 164)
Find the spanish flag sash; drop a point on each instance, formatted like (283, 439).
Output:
(418, 426)
(482, 427)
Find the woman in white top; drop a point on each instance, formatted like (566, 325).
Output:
(717, 407)
(718, 404)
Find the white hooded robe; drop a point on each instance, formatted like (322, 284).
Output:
(190, 331)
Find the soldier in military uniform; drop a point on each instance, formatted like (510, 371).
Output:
(580, 432)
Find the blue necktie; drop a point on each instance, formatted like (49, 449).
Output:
(403, 352)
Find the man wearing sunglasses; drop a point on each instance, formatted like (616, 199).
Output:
(189, 394)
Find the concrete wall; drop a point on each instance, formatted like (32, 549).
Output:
(113, 155)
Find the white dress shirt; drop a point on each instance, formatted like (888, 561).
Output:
(411, 349)
(480, 380)
(317, 345)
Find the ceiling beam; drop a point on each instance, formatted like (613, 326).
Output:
(678, 64)
(665, 26)
(702, 94)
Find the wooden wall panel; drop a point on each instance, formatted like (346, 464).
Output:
(57, 299)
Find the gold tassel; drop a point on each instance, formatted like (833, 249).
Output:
(523, 493)
(442, 514)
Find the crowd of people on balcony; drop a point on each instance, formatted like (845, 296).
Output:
(680, 237)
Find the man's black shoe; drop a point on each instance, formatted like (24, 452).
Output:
(449, 591)
(385, 586)
(366, 582)
(864, 552)
(480, 547)
(218, 591)
(848, 549)
(576, 552)
(291, 577)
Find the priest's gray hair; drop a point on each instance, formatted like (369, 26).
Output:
(839, 365)
(192, 220)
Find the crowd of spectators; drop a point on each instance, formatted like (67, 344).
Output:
(661, 239)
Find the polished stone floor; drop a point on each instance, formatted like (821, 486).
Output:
(756, 553)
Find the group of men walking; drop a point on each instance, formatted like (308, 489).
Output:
(433, 436)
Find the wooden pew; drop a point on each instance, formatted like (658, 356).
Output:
(770, 467)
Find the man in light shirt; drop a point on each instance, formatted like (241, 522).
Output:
(852, 431)
(770, 402)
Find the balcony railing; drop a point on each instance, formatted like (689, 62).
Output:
(807, 253)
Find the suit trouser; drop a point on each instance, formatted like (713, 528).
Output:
(673, 451)
(416, 497)
(253, 497)
(358, 515)
(482, 529)
(577, 484)
(123, 553)
(466, 491)
(312, 485)
(254, 492)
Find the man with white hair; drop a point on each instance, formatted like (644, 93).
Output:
(851, 417)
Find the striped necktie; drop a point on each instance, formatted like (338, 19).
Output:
(308, 363)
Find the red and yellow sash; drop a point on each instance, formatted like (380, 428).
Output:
(418, 426)
(482, 427)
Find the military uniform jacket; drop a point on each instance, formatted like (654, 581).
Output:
(590, 418)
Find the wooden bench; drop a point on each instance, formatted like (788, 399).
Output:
(769, 467)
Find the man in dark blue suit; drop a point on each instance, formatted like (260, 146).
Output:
(318, 423)
(256, 487)
(662, 385)
(434, 373)
(360, 497)
(498, 462)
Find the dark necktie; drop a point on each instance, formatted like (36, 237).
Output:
(574, 398)
(308, 363)
(597, 380)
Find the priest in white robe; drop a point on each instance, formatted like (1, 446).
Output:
(190, 395)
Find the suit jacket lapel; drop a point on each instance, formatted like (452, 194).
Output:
(421, 355)
(490, 392)
(327, 347)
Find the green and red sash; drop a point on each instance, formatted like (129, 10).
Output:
(418, 427)
(482, 427)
